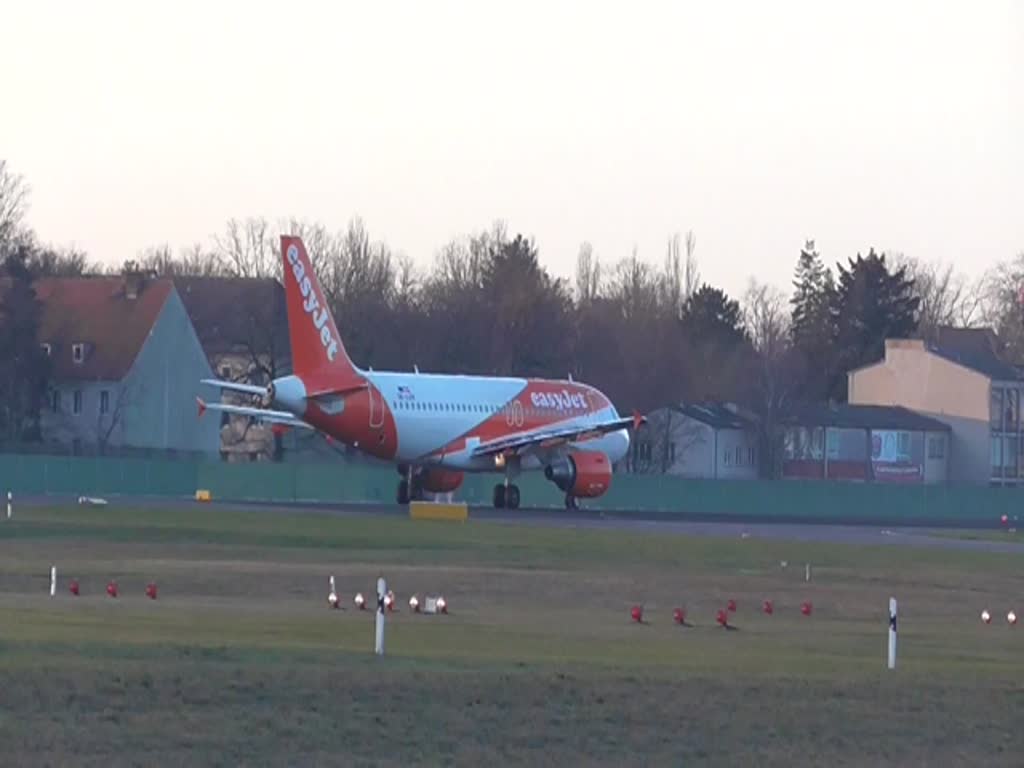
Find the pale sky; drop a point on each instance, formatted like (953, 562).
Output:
(898, 125)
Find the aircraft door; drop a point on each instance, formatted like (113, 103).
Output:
(376, 407)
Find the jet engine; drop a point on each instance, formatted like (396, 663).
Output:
(585, 474)
(440, 480)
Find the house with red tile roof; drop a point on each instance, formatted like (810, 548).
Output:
(125, 362)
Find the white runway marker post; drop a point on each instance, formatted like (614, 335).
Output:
(892, 633)
(807, 572)
(9, 500)
(382, 590)
(53, 580)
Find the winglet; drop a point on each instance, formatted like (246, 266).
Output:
(638, 419)
(202, 406)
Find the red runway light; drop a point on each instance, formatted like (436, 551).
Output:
(732, 606)
(806, 608)
(112, 589)
(723, 618)
(151, 591)
(679, 616)
(637, 613)
(768, 607)
(73, 587)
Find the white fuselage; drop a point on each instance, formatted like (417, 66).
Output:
(435, 410)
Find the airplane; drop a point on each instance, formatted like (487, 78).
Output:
(433, 427)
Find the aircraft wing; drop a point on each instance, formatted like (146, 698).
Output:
(261, 414)
(521, 442)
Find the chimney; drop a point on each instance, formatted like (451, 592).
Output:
(135, 280)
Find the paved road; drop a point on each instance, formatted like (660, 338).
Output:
(850, 531)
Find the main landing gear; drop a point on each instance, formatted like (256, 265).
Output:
(404, 496)
(506, 496)
(571, 502)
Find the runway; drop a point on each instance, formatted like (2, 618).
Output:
(846, 531)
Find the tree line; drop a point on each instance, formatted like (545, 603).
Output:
(646, 334)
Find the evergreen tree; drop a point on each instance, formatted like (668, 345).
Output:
(811, 326)
(870, 304)
(24, 366)
(718, 349)
(711, 315)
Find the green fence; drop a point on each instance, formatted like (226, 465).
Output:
(341, 482)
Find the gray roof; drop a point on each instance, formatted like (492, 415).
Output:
(715, 415)
(975, 348)
(862, 417)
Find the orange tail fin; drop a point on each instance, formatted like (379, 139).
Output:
(318, 354)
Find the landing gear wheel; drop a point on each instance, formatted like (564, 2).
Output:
(512, 497)
(403, 492)
(416, 493)
(571, 502)
(499, 496)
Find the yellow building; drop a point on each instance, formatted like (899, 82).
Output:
(961, 379)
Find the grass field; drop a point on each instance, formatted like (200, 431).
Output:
(240, 661)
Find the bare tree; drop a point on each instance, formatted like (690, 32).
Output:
(62, 262)
(774, 380)
(14, 192)
(112, 417)
(671, 287)
(1002, 304)
(947, 298)
(766, 318)
(193, 261)
(691, 275)
(634, 287)
(588, 275)
(249, 249)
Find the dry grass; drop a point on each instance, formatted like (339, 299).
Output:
(240, 661)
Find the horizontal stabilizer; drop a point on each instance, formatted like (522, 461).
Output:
(260, 414)
(234, 386)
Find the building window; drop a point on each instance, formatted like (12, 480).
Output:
(727, 457)
(1004, 457)
(672, 452)
(55, 401)
(47, 349)
(225, 372)
(1011, 407)
(750, 455)
(78, 352)
(78, 401)
(936, 447)
(739, 456)
(104, 401)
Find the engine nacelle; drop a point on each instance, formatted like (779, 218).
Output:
(585, 474)
(441, 480)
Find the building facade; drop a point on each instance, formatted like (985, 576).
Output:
(124, 365)
(712, 440)
(866, 443)
(962, 379)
